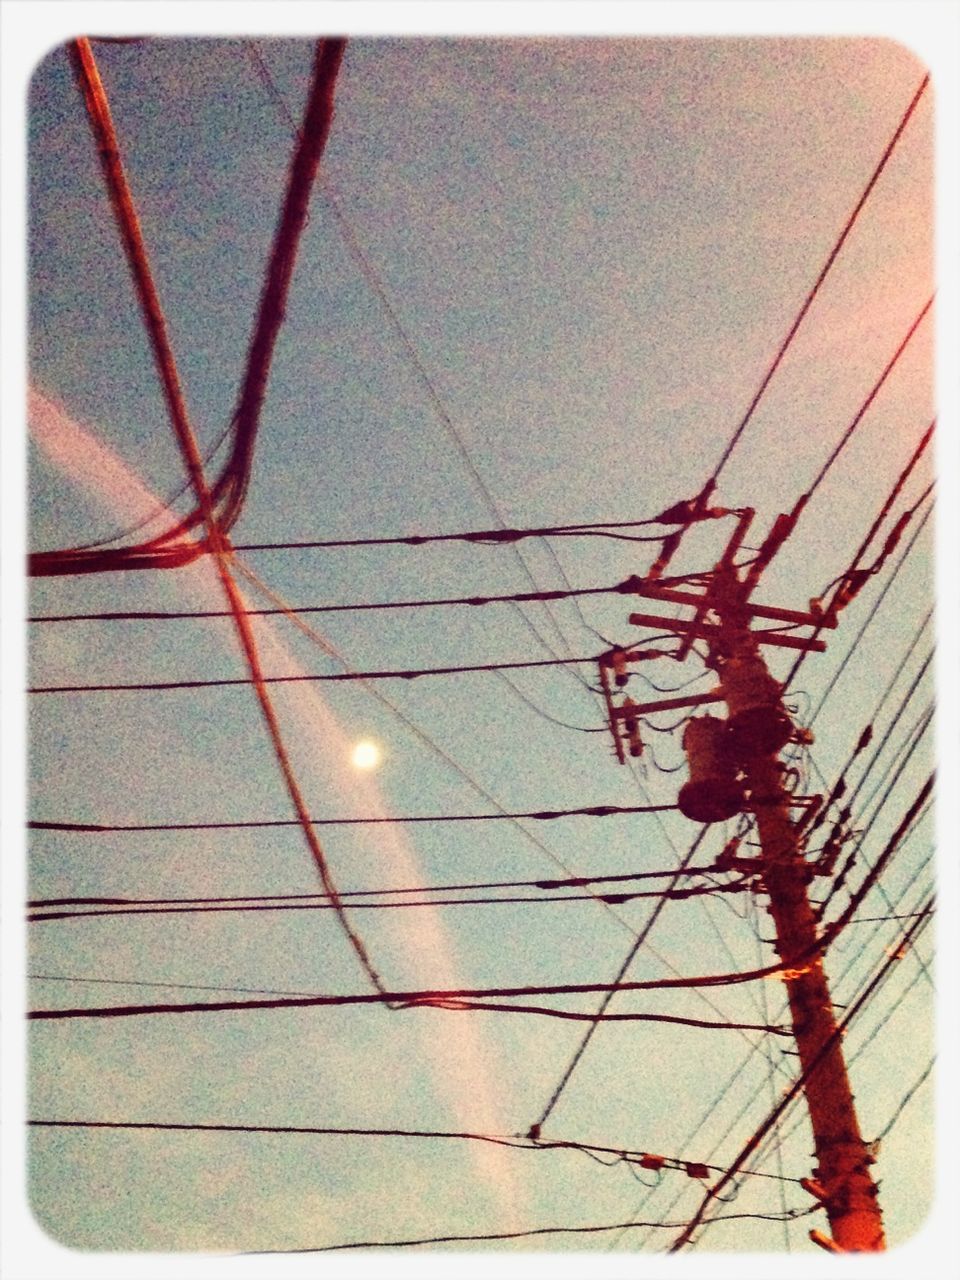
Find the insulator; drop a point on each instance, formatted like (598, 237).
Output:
(694, 1170)
(632, 728)
(619, 661)
(712, 793)
(758, 722)
(648, 1161)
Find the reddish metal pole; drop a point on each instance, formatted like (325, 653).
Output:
(843, 1172)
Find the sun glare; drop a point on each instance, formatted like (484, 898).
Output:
(366, 755)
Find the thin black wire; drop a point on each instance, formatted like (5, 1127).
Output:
(37, 916)
(486, 537)
(605, 1002)
(542, 815)
(423, 737)
(818, 479)
(392, 674)
(816, 287)
(426, 996)
(871, 615)
(545, 715)
(674, 1163)
(356, 249)
(794, 1092)
(570, 882)
(515, 1235)
(923, 916)
(156, 615)
(905, 1100)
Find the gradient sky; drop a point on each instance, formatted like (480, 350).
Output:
(595, 248)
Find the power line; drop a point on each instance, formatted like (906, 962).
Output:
(794, 1091)
(140, 910)
(488, 537)
(427, 996)
(316, 638)
(516, 1235)
(454, 434)
(230, 486)
(892, 844)
(711, 483)
(395, 1001)
(154, 615)
(605, 1002)
(515, 1141)
(785, 524)
(872, 614)
(306, 159)
(905, 1100)
(395, 674)
(543, 815)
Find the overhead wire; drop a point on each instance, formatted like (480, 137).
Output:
(237, 682)
(444, 416)
(581, 1048)
(486, 537)
(570, 882)
(516, 1141)
(514, 1235)
(155, 615)
(711, 481)
(541, 815)
(827, 940)
(317, 121)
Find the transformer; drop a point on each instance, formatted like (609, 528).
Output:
(713, 792)
(758, 723)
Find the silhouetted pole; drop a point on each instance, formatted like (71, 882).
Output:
(758, 731)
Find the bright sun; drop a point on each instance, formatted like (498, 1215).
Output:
(366, 755)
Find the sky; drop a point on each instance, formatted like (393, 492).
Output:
(577, 259)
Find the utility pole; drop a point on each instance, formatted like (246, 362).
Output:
(842, 1179)
(735, 767)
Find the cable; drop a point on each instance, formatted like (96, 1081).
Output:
(545, 715)
(515, 1235)
(425, 738)
(905, 1100)
(605, 1002)
(154, 615)
(871, 615)
(425, 996)
(514, 1140)
(543, 815)
(818, 479)
(571, 882)
(445, 418)
(858, 848)
(891, 846)
(136, 910)
(785, 524)
(232, 482)
(843, 595)
(487, 537)
(398, 1000)
(408, 674)
(711, 482)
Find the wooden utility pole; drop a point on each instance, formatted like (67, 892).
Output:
(842, 1179)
